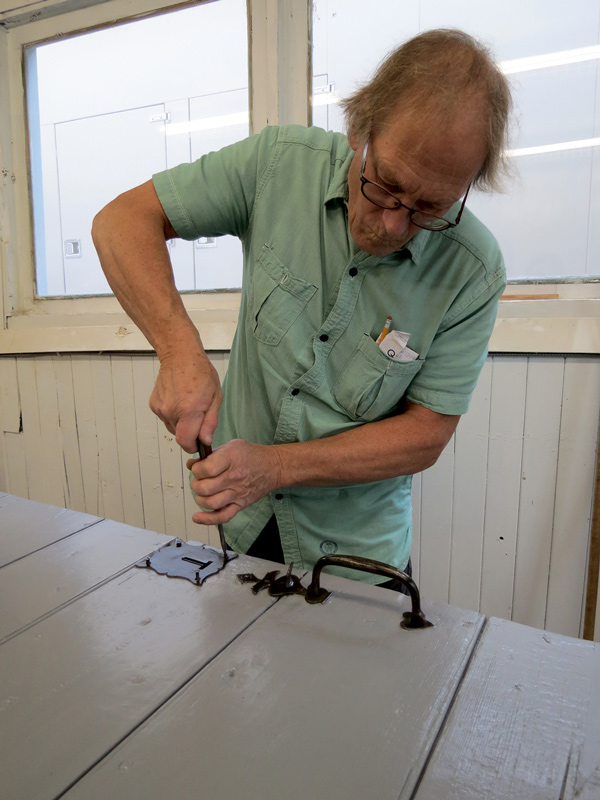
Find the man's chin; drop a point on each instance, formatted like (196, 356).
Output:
(377, 247)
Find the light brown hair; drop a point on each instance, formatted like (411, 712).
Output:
(436, 74)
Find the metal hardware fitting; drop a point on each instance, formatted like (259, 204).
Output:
(415, 618)
(194, 562)
(290, 584)
(278, 587)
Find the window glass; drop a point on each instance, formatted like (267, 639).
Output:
(545, 220)
(109, 108)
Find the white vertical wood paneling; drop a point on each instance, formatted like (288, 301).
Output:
(148, 452)
(10, 411)
(50, 446)
(501, 523)
(468, 507)
(507, 420)
(574, 494)
(3, 462)
(10, 407)
(69, 435)
(538, 485)
(109, 473)
(17, 476)
(31, 441)
(126, 429)
(437, 485)
(83, 394)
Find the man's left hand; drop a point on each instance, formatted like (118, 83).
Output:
(233, 477)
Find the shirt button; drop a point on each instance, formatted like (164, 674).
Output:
(295, 392)
(353, 271)
(278, 496)
(323, 337)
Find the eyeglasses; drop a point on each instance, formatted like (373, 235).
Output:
(380, 196)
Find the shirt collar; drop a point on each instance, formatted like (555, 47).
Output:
(338, 186)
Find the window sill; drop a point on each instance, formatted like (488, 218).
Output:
(565, 325)
(568, 325)
(215, 316)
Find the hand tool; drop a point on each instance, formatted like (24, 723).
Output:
(204, 450)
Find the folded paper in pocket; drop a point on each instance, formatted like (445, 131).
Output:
(394, 346)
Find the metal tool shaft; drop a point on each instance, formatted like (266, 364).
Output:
(204, 450)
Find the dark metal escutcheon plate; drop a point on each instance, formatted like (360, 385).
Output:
(194, 562)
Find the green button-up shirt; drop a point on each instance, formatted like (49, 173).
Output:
(304, 362)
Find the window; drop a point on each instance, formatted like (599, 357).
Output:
(109, 108)
(545, 223)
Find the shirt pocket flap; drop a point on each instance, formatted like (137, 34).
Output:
(278, 298)
(370, 384)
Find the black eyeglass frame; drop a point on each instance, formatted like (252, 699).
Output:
(399, 204)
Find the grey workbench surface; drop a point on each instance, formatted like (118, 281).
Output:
(119, 682)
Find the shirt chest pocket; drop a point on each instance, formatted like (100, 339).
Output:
(278, 298)
(371, 384)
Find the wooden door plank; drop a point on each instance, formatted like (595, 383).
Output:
(525, 714)
(326, 701)
(26, 526)
(80, 680)
(584, 781)
(34, 586)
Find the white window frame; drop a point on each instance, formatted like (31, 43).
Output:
(280, 92)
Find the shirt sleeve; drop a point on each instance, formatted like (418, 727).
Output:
(458, 352)
(215, 195)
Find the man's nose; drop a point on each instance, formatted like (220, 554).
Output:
(396, 222)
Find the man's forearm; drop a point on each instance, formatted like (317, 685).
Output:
(130, 237)
(239, 474)
(401, 445)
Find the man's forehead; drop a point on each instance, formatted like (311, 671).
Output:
(415, 174)
(445, 156)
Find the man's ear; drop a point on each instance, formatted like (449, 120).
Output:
(355, 143)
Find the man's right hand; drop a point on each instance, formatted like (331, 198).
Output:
(186, 397)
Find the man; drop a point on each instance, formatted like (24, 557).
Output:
(320, 429)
